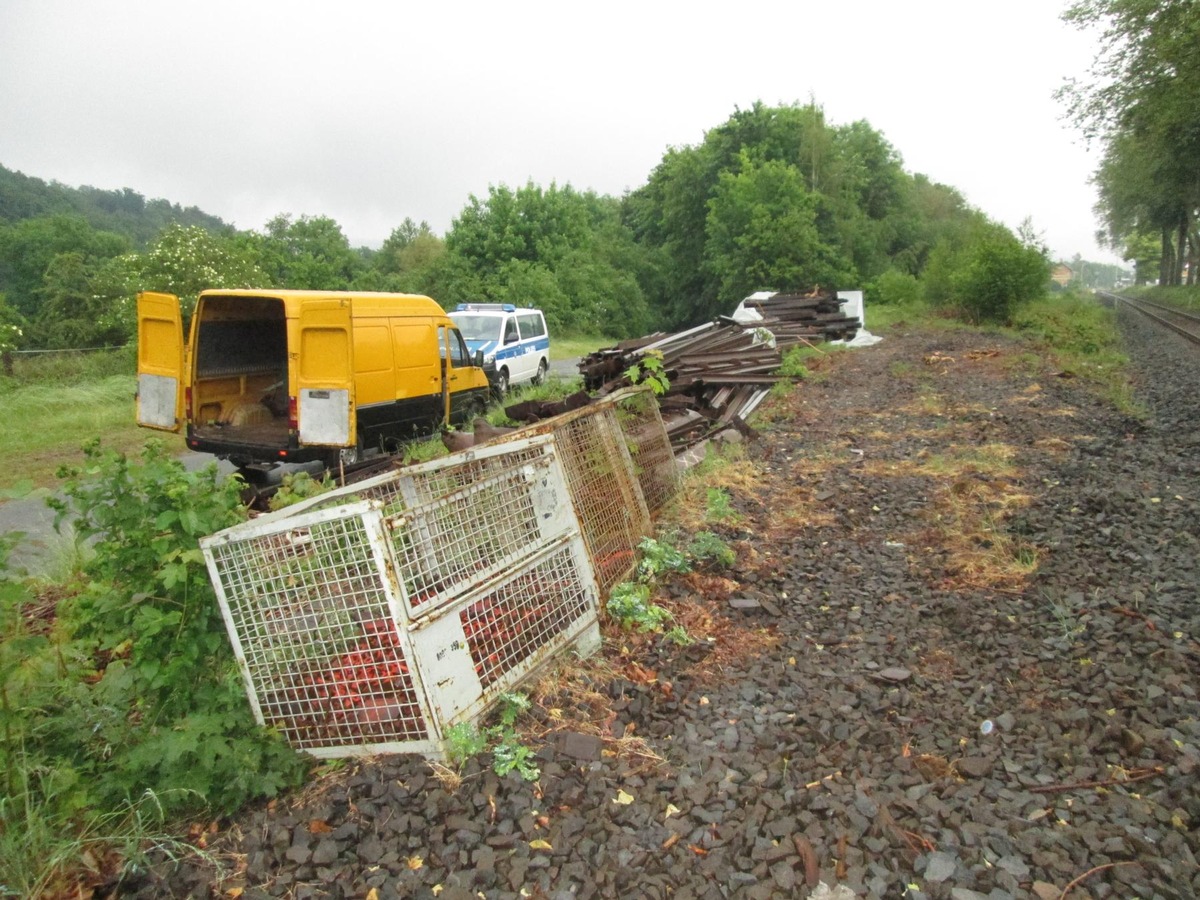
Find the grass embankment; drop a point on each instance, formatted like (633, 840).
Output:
(1185, 296)
(1078, 334)
(51, 405)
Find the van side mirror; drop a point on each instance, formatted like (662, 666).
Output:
(477, 361)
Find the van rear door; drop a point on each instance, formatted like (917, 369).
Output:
(160, 361)
(325, 373)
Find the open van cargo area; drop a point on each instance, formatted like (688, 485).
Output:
(240, 386)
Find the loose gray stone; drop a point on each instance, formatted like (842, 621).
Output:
(939, 866)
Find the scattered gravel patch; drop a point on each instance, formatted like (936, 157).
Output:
(921, 714)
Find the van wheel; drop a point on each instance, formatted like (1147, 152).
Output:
(501, 387)
(540, 377)
(475, 408)
(344, 456)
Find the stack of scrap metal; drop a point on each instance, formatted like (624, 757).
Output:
(720, 371)
(796, 318)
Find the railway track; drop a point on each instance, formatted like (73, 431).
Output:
(1178, 320)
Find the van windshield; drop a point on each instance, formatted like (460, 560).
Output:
(478, 328)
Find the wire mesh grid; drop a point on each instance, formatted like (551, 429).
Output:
(506, 628)
(608, 501)
(649, 446)
(308, 609)
(321, 603)
(446, 546)
(415, 485)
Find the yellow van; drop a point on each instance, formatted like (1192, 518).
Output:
(282, 376)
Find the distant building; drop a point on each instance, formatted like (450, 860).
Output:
(1062, 273)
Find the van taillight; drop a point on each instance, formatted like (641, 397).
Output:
(293, 421)
(187, 399)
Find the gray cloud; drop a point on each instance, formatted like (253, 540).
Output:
(371, 112)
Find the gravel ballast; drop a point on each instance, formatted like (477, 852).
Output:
(958, 657)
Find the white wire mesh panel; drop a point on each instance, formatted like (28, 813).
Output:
(312, 620)
(608, 500)
(475, 529)
(649, 446)
(506, 628)
(612, 514)
(415, 485)
(351, 627)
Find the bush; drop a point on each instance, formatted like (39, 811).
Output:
(895, 288)
(147, 693)
(996, 274)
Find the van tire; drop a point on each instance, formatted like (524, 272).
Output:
(475, 407)
(344, 456)
(540, 377)
(501, 387)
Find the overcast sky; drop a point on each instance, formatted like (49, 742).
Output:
(369, 112)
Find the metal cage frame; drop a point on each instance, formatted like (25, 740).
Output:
(373, 618)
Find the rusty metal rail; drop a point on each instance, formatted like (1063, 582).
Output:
(720, 371)
(1180, 321)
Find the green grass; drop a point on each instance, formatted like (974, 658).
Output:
(577, 345)
(46, 424)
(1082, 335)
(1185, 296)
(884, 316)
(67, 367)
(47, 848)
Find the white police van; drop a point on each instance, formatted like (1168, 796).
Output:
(514, 341)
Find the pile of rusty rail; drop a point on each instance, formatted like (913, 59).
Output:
(717, 373)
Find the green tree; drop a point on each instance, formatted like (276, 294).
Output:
(124, 212)
(997, 273)
(309, 253)
(762, 234)
(1141, 105)
(28, 247)
(893, 287)
(565, 251)
(12, 334)
(70, 313)
(845, 204)
(410, 252)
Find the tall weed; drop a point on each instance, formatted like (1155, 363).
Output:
(122, 705)
(1083, 339)
(165, 710)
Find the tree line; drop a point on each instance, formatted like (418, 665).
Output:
(1140, 105)
(775, 197)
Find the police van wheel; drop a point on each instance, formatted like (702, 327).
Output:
(540, 377)
(501, 387)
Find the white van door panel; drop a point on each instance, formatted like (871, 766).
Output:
(160, 361)
(325, 373)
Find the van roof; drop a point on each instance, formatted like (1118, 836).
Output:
(292, 292)
(413, 303)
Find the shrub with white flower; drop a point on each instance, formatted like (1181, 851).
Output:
(184, 261)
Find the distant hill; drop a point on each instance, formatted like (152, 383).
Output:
(124, 212)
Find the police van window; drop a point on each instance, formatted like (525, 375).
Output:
(510, 331)
(531, 327)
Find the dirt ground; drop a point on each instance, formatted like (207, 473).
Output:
(957, 657)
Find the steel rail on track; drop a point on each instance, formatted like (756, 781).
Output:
(1141, 306)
